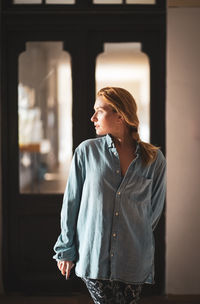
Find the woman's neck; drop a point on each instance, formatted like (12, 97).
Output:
(124, 139)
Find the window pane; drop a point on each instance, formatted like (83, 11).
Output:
(124, 65)
(27, 1)
(60, 1)
(107, 1)
(44, 112)
(141, 1)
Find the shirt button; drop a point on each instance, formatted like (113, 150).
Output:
(116, 213)
(117, 171)
(114, 234)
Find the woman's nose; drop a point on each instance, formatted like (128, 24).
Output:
(93, 118)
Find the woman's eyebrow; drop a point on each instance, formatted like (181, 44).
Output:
(106, 107)
(96, 108)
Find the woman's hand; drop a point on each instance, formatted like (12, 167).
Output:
(65, 267)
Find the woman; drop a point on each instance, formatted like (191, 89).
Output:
(112, 203)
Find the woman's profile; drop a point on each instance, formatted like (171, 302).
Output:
(112, 203)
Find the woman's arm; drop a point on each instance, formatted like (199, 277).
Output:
(65, 247)
(158, 190)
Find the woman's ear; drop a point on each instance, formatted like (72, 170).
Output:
(120, 117)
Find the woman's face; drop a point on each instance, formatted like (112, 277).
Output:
(105, 119)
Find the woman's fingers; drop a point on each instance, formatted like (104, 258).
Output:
(65, 267)
(68, 270)
(59, 264)
(62, 266)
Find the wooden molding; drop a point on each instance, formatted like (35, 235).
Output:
(183, 3)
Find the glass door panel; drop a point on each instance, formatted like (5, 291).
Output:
(141, 1)
(60, 1)
(27, 1)
(124, 65)
(44, 117)
(107, 1)
(46, 1)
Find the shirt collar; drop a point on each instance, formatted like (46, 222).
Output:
(109, 141)
(111, 144)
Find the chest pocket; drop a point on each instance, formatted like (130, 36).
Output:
(138, 190)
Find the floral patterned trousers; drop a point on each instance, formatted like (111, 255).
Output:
(113, 292)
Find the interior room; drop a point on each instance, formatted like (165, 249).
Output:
(49, 127)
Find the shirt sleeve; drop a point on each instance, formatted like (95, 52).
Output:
(65, 247)
(158, 190)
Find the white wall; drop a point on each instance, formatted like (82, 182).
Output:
(183, 151)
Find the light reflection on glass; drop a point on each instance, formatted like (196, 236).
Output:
(124, 65)
(44, 115)
(141, 1)
(60, 1)
(107, 1)
(27, 1)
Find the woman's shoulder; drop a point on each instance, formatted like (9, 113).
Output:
(160, 159)
(91, 143)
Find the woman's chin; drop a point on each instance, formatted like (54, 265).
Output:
(100, 133)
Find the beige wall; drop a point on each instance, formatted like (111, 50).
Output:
(183, 151)
(1, 284)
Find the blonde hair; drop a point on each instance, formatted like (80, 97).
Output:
(124, 103)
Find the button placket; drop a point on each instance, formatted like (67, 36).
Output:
(114, 234)
(114, 231)
(116, 164)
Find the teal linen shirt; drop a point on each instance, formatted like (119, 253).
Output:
(107, 220)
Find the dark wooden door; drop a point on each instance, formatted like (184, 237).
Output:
(32, 218)
(31, 221)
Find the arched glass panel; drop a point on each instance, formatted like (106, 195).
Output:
(126, 1)
(124, 65)
(141, 1)
(60, 1)
(27, 1)
(107, 1)
(45, 119)
(46, 1)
